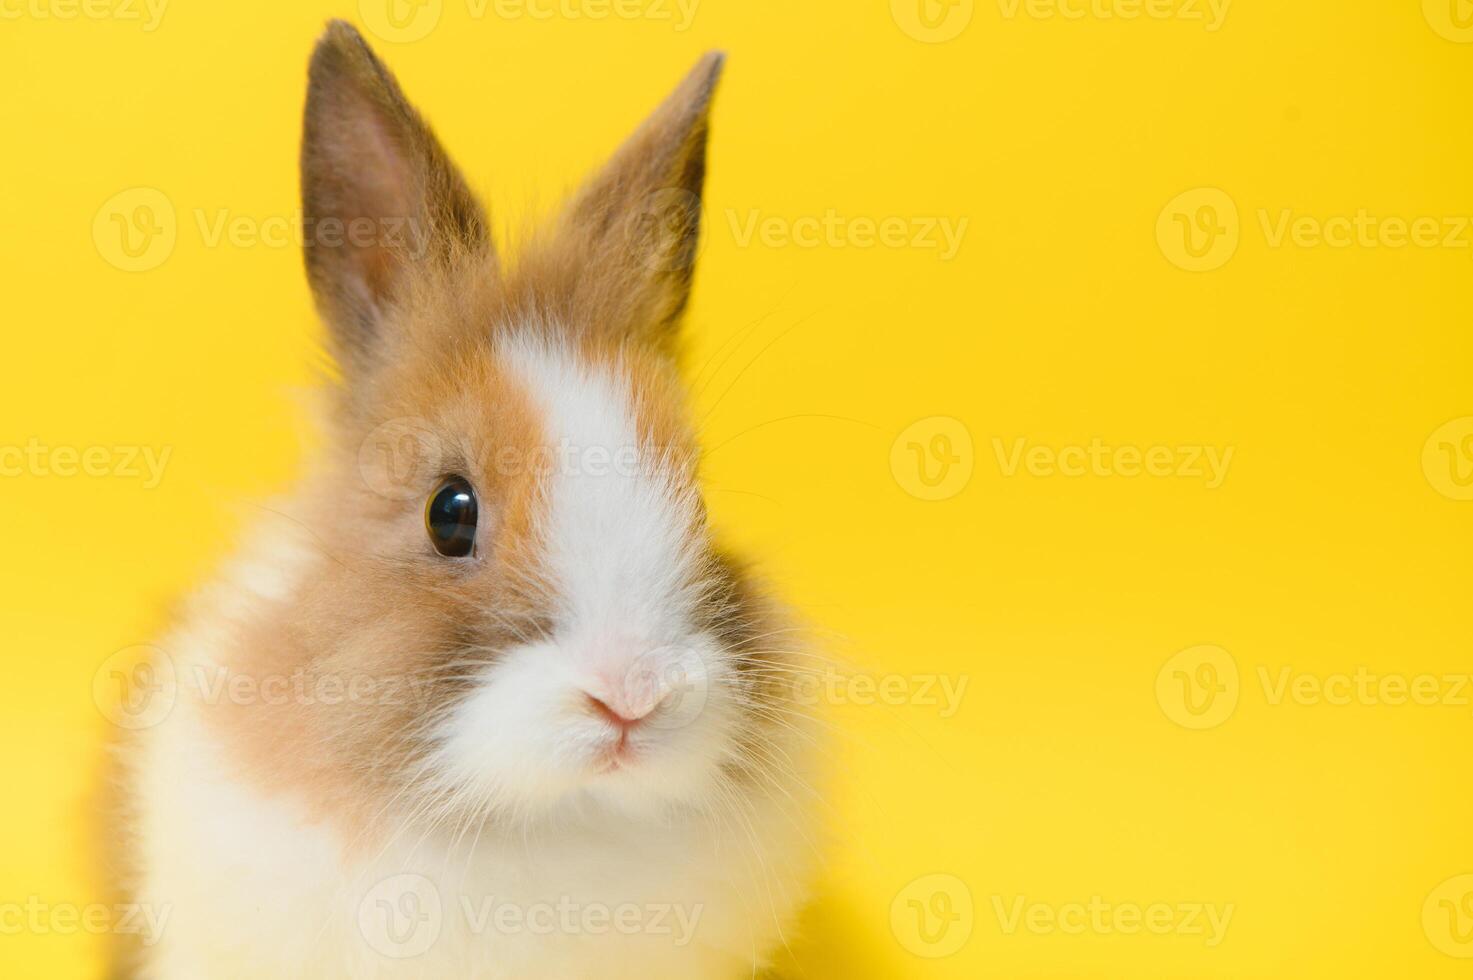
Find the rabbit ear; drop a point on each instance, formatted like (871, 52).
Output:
(379, 195)
(628, 240)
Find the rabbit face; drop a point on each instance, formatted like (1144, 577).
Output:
(508, 522)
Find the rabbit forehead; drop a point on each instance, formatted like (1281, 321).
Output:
(620, 516)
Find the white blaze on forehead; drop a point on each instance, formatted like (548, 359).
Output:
(617, 525)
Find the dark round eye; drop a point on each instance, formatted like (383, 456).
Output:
(450, 518)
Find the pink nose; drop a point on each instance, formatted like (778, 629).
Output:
(622, 718)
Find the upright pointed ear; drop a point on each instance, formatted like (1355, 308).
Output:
(379, 195)
(634, 229)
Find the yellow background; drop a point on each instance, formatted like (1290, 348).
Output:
(1061, 319)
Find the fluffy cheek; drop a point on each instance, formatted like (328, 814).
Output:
(525, 738)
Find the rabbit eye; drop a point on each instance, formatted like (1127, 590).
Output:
(450, 517)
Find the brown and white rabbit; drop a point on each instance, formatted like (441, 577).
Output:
(486, 701)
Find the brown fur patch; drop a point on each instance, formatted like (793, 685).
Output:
(381, 616)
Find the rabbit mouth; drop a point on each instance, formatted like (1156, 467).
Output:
(620, 756)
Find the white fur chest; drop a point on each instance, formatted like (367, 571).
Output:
(245, 887)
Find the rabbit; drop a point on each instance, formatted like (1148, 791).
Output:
(482, 697)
